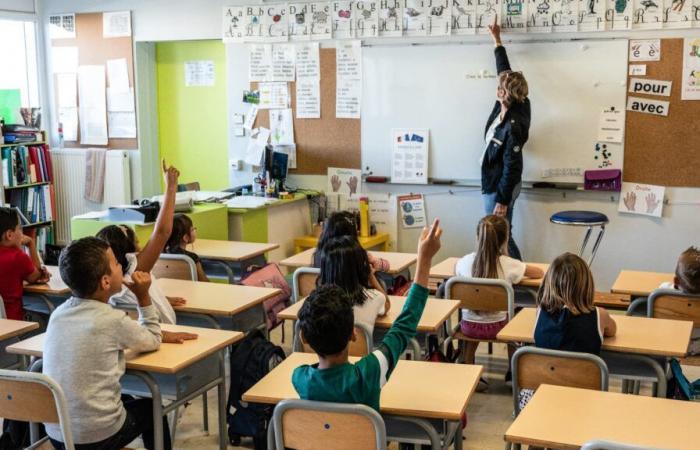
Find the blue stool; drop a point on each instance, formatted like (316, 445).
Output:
(588, 219)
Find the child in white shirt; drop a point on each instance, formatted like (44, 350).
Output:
(490, 260)
(125, 246)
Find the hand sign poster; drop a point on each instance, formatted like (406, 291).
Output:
(644, 199)
(344, 181)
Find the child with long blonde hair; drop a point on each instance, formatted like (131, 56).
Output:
(567, 319)
(490, 260)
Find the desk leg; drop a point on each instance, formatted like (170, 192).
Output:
(157, 400)
(458, 436)
(223, 437)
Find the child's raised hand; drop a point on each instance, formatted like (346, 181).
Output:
(172, 337)
(171, 175)
(429, 242)
(140, 284)
(26, 240)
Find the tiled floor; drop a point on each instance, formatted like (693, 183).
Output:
(489, 414)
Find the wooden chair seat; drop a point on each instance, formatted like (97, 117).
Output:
(610, 300)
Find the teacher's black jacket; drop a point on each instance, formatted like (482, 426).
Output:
(502, 168)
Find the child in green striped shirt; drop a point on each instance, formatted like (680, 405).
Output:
(327, 324)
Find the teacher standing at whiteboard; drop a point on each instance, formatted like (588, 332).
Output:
(506, 132)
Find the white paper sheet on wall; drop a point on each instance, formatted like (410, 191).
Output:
(348, 92)
(283, 62)
(409, 159)
(120, 101)
(308, 95)
(199, 73)
(256, 146)
(93, 107)
(64, 59)
(67, 87)
(250, 117)
(274, 95)
(68, 118)
(118, 74)
(642, 199)
(260, 62)
(122, 124)
(281, 127)
(116, 24)
(307, 60)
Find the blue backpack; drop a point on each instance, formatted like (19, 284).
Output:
(679, 387)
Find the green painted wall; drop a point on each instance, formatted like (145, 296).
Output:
(192, 120)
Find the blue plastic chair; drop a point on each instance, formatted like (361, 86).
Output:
(588, 219)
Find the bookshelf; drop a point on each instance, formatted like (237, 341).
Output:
(26, 183)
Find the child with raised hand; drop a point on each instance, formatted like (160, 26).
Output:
(567, 319)
(184, 234)
(342, 223)
(687, 280)
(84, 350)
(490, 260)
(16, 266)
(125, 246)
(326, 323)
(343, 263)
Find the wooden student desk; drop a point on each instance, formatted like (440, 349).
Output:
(235, 251)
(563, 417)
(54, 288)
(230, 259)
(406, 393)
(12, 328)
(635, 335)
(446, 269)
(436, 312)
(194, 367)
(216, 300)
(639, 284)
(398, 262)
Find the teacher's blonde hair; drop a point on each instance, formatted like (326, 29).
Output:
(514, 87)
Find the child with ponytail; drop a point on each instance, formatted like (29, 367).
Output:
(490, 260)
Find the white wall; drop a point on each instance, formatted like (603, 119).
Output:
(19, 6)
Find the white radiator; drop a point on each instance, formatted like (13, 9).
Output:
(69, 181)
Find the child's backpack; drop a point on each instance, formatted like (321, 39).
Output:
(270, 276)
(251, 359)
(400, 287)
(679, 387)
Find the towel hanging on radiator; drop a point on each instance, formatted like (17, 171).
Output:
(95, 174)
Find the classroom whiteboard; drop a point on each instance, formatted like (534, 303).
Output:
(429, 86)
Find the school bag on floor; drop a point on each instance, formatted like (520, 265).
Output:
(270, 276)
(679, 387)
(251, 359)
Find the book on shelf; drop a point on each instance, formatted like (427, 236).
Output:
(36, 203)
(26, 165)
(41, 236)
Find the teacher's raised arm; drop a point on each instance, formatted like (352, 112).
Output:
(506, 132)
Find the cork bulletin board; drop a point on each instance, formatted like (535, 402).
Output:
(94, 49)
(664, 150)
(325, 142)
